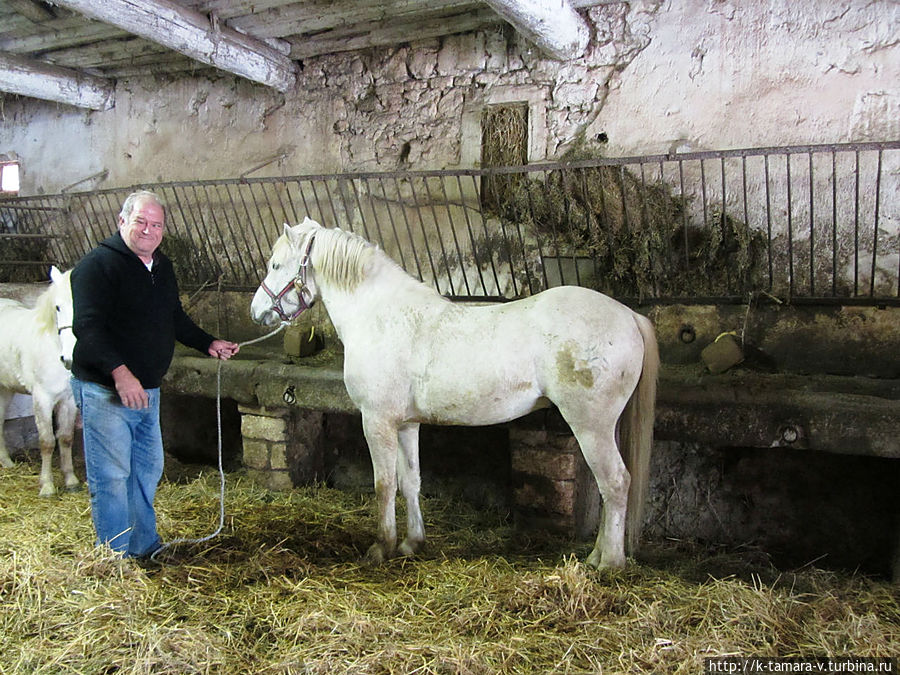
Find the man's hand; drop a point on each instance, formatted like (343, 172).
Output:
(222, 349)
(131, 391)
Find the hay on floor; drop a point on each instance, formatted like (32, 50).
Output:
(283, 590)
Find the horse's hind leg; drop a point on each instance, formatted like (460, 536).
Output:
(65, 431)
(410, 484)
(382, 439)
(597, 439)
(5, 459)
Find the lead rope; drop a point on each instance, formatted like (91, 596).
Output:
(201, 540)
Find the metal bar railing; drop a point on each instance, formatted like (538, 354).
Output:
(803, 223)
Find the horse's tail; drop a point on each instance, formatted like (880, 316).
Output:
(636, 434)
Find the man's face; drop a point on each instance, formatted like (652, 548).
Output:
(143, 231)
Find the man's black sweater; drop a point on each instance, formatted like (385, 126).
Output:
(127, 314)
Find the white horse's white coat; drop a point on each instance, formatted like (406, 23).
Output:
(35, 349)
(412, 357)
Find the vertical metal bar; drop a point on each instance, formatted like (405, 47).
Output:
(834, 238)
(205, 249)
(217, 265)
(684, 219)
(567, 206)
(812, 230)
(626, 222)
(362, 214)
(390, 213)
(769, 224)
(475, 256)
(746, 278)
(238, 229)
(419, 207)
(589, 217)
(790, 224)
(303, 198)
(172, 224)
(492, 186)
(294, 218)
(260, 256)
(337, 220)
(412, 242)
(487, 237)
(321, 213)
(875, 234)
(231, 231)
(856, 230)
(725, 222)
(459, 253)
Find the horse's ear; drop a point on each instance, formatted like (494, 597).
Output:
(55, 274)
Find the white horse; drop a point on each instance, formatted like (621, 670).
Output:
(35, 353)
(412, 356)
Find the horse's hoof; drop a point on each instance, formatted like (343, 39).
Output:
(7, 463)
(47, 492)
(409, 548)
(375, 555)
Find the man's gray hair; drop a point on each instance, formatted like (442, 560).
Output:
(140, 195)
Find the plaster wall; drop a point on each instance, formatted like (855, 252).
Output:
(657, 76)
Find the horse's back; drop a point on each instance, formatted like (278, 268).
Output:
(592, 344)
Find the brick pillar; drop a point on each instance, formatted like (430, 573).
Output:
(553, 487)
(282, 446)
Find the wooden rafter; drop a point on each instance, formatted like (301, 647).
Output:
(553, 25)
(28, 77)
(193, 34)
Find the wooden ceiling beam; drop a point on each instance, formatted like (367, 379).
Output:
(193, 34)
(37, 79)
(553, 25)
(390, 32)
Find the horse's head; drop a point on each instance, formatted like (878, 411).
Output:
(61, 292)
(289, 287)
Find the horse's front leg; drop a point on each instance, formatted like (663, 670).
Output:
(65, 432)
(410, 484)
(382, 439)
(43, 420)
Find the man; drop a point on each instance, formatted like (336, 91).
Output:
(127, 318)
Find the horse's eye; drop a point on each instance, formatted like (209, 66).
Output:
(275, 266)
(58, 308)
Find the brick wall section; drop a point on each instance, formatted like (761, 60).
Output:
(282, 446)
(552, 485)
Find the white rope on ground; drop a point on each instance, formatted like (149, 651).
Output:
(176, 542)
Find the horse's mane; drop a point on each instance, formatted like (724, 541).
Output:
(343, 259)
(45, 311)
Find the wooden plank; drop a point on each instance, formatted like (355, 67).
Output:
(553, 25)
(31, 10)
(61, 36)
(192, 34)
(389, 32)
(27, 77)
(323, 15)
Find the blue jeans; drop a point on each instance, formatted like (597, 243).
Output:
(123, 455)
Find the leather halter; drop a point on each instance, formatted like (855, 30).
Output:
(298, 283)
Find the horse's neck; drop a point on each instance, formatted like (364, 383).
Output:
(386, 289)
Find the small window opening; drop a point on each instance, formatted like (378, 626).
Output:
(9, 177)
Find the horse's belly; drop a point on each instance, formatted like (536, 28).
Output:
(468, 406)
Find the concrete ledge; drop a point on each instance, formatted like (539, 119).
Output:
(741, 408)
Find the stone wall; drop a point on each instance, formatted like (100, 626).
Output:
(656, 77)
